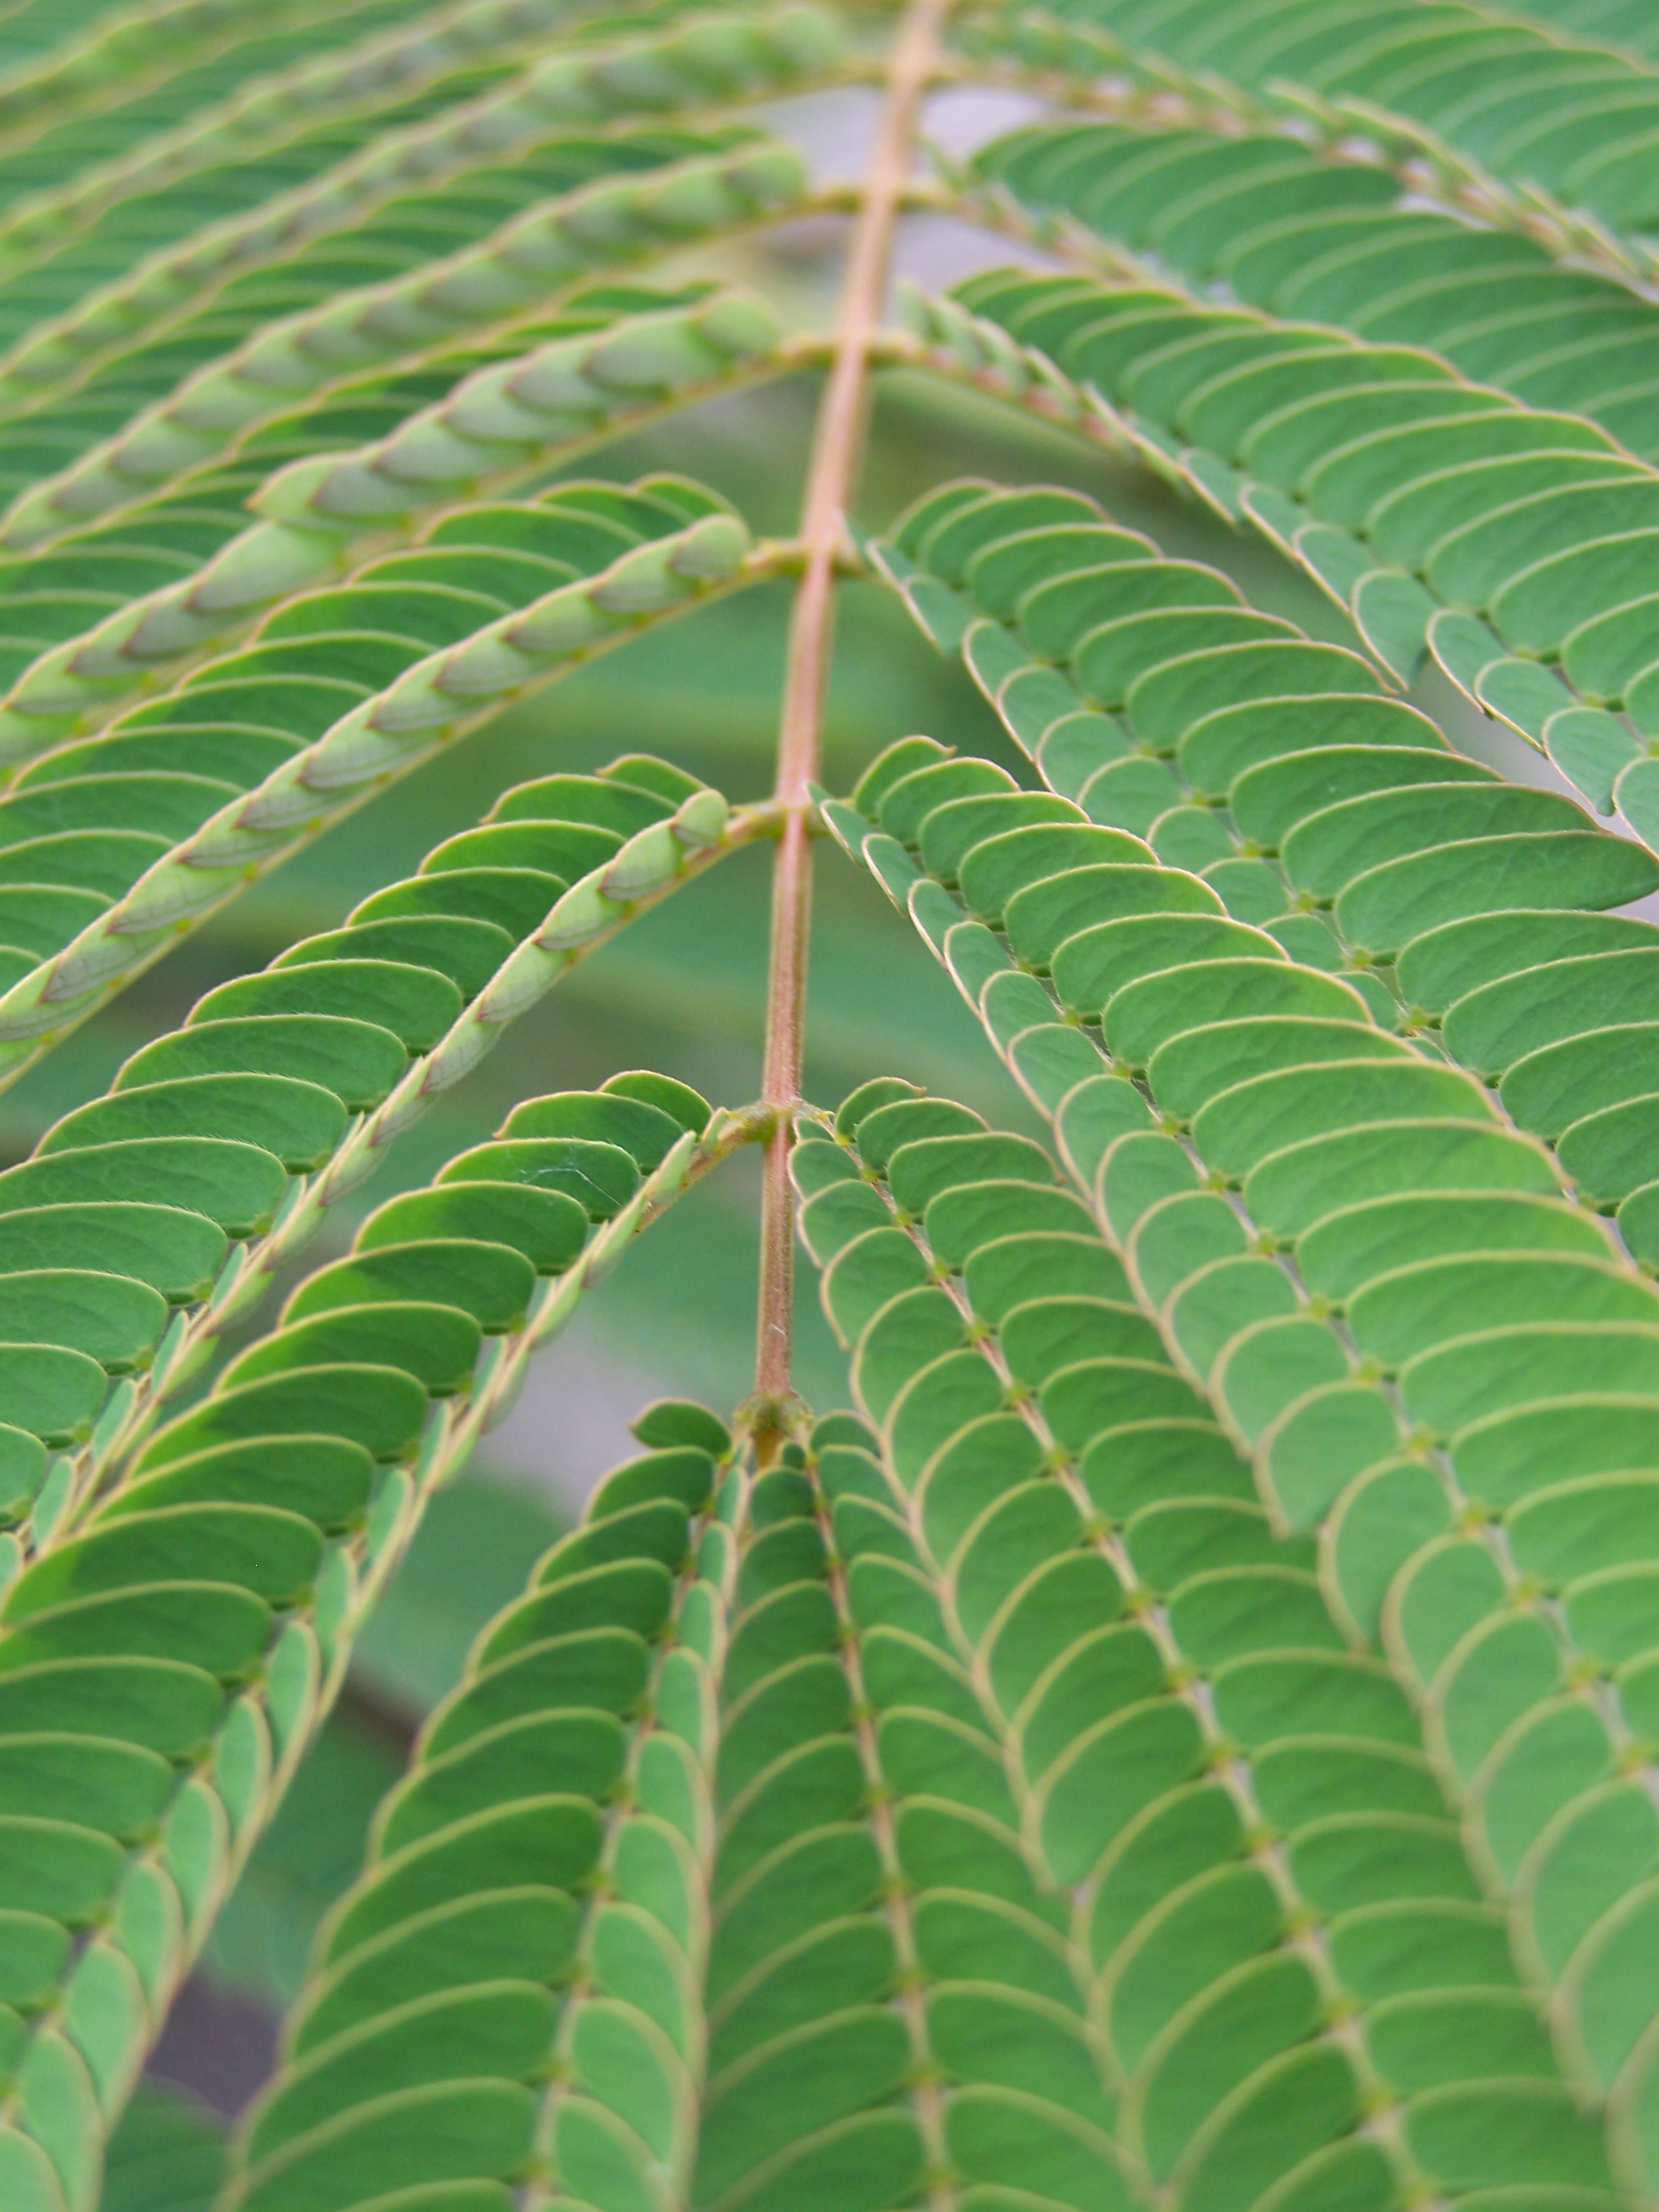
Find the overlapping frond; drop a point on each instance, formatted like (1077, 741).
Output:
(164, 1667)
(71, 164)
(1079, 65)
(1277, 1928)
(1185, 1744)
(689, 191)
(181, 46)
(1510, 543)
(1556, 108)
(1362, 1255)
(112, 845)
(1260, 219)
(149, 1220)
(519, 1969)
(410, 199)
(799, 1957)
(620, 357)
(267, 138)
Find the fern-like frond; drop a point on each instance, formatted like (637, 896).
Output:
(1259, 218)
(169, 1661)
(1309, 442)
(554, 1828)
(160, 542)
(1577, 120)
(478, 295)
(60, 191)
(112, 845)
(150, 1220)
(123, 1202)
(799, 1957)
(1386, 1389)
(971, 1689)
(1185, 1743)
(1172, 1687)
(1084, 69)
(127, 52)
(270, 135)
(324, 519)
(409, 198)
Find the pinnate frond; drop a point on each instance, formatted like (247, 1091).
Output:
(520, 143)
(150, 1220)
(290, 123)
(776, 1723)
(1314, 233)
(1587, 105)
(321, 520)
(1184, 1744)
(1308, 441)
(117, 843)
(168, 1661)
(1080, 66)
(513, 273)
(1395, 1317)
(1172, 1689)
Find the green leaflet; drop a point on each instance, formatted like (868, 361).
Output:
(164, 2151)
(164, 1664)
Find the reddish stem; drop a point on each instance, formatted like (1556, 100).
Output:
(832, 472)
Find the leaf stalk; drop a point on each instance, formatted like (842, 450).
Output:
(832, 473)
